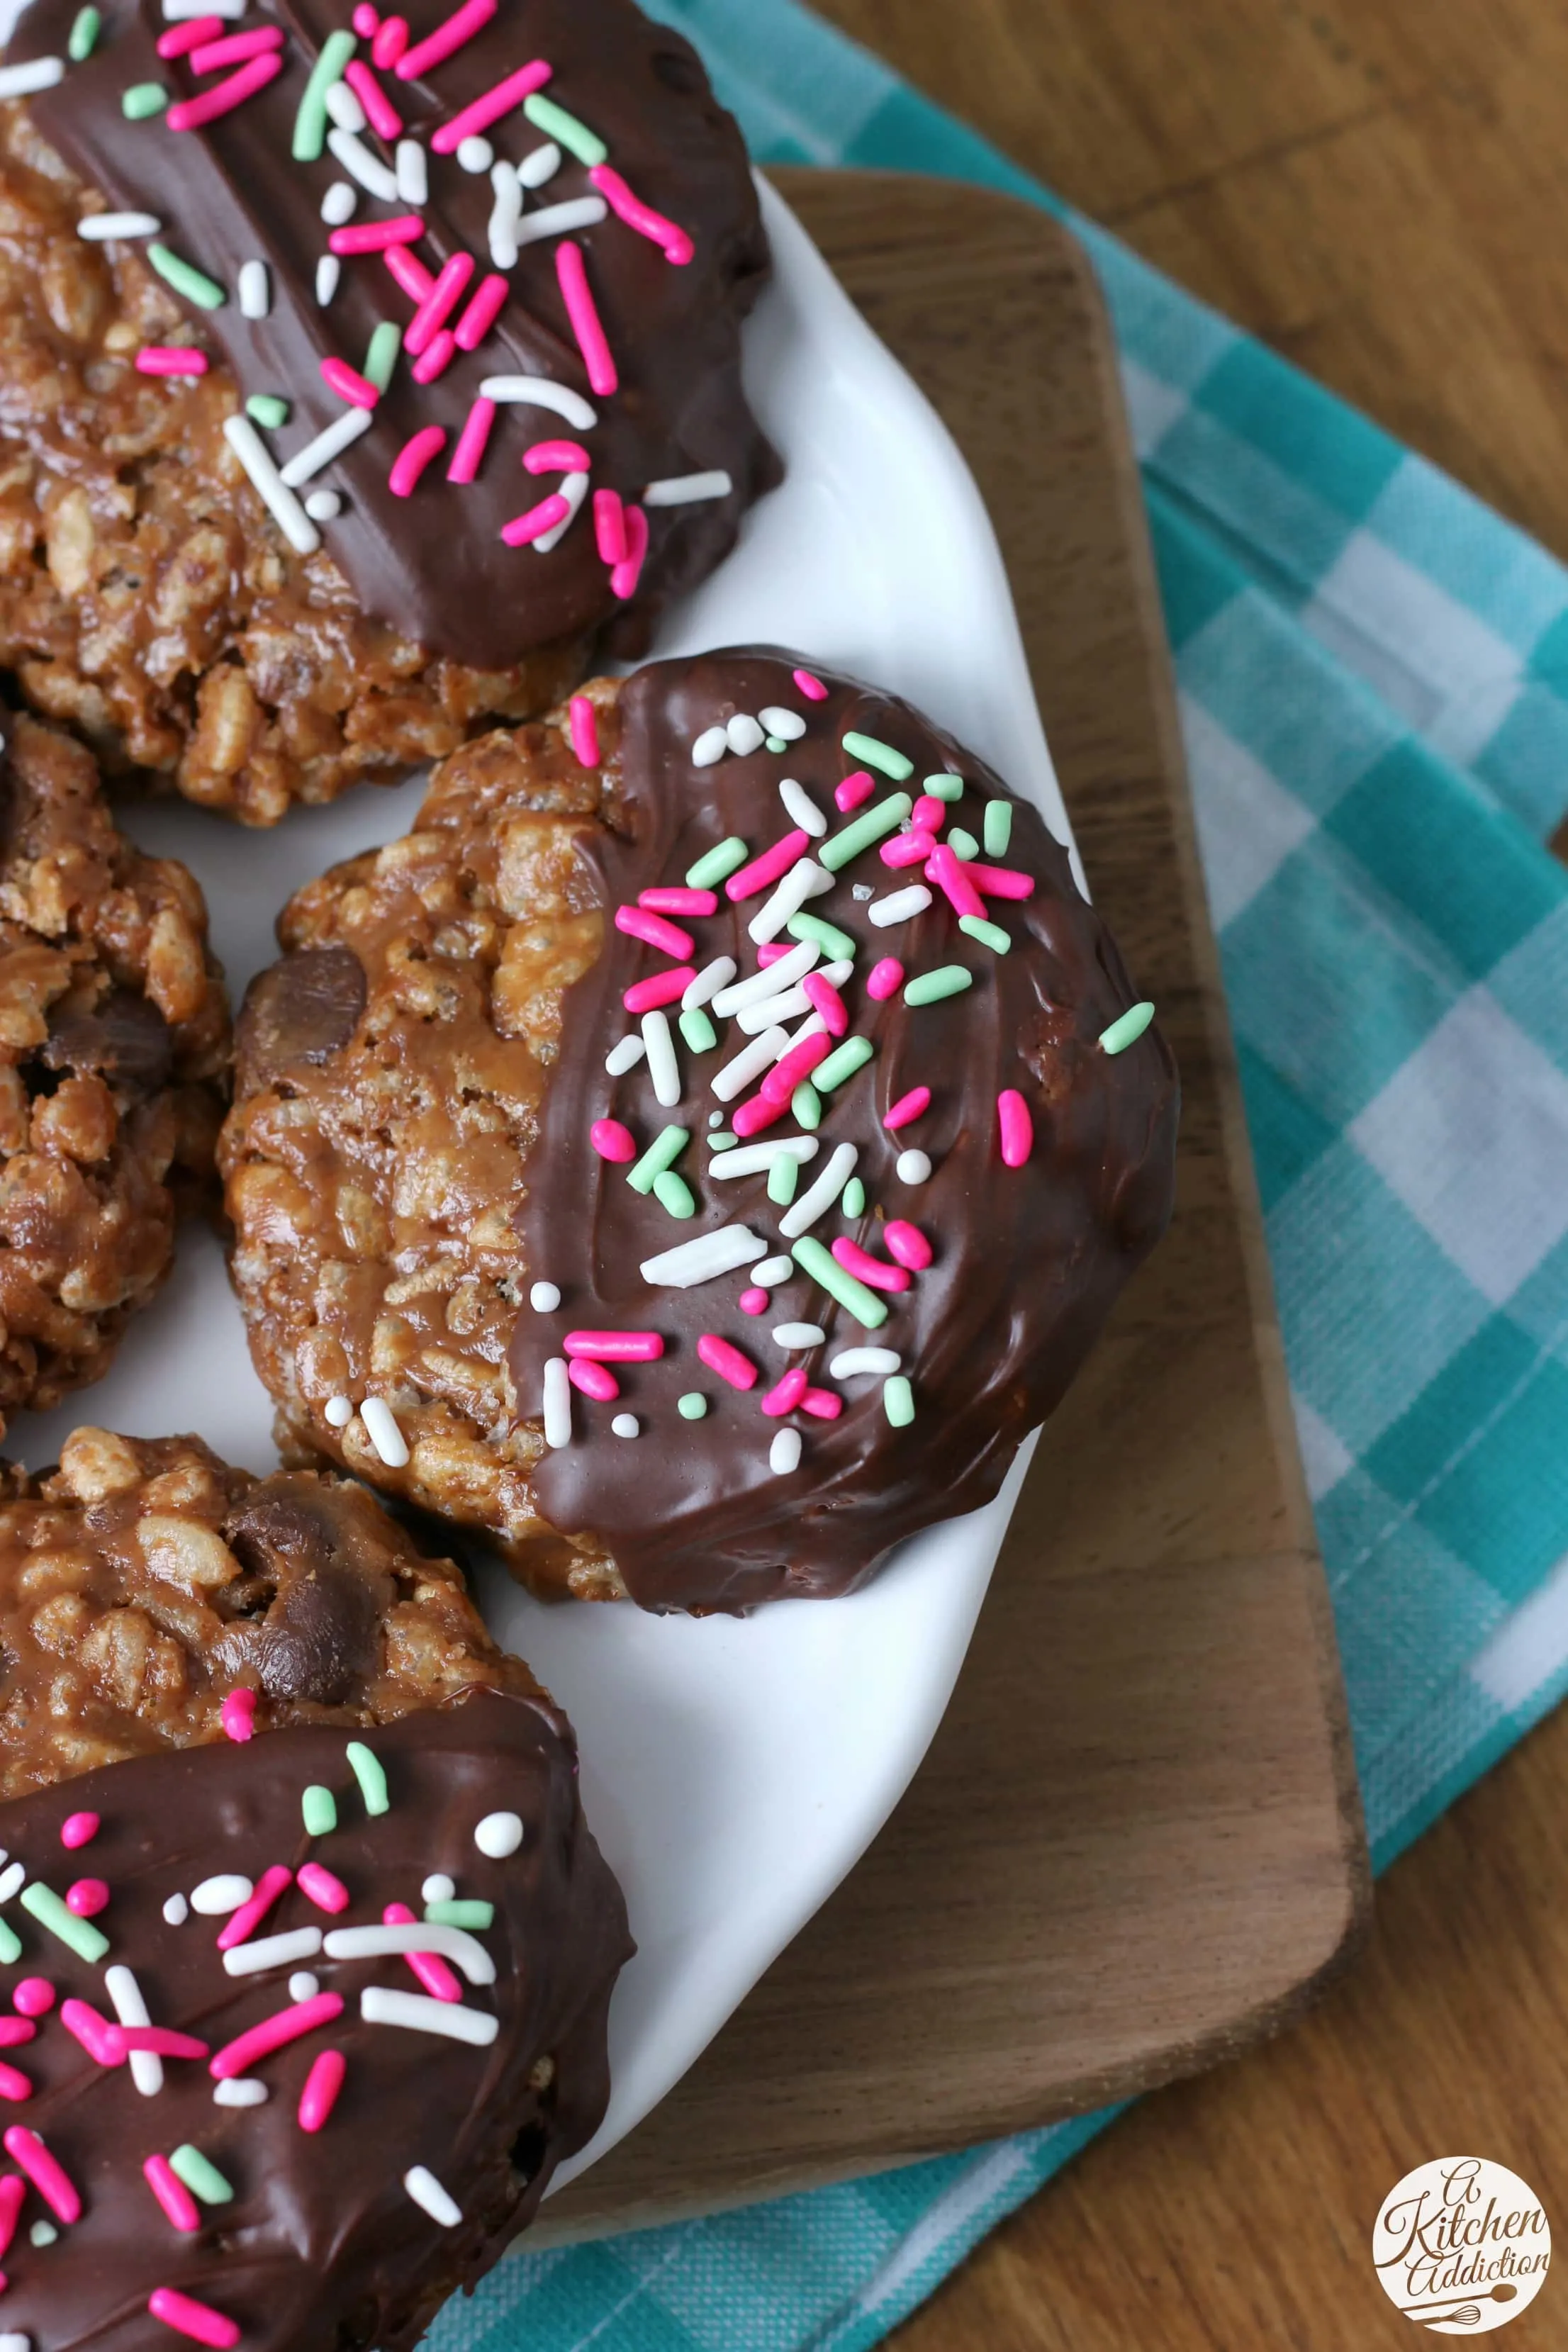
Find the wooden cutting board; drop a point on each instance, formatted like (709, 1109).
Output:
(1136, 1842)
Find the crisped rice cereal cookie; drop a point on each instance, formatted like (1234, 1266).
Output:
(306, 1992)
(114, 1046)
(409, 373)
(704, 1148)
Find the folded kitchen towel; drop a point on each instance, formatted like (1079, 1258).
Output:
(1373, 672)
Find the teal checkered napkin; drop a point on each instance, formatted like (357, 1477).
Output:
(1373, 672)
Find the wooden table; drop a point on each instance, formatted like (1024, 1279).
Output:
(1380, 189)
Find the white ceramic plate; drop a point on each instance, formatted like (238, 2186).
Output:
(732, 1772)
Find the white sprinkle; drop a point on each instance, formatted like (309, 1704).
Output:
(798, 1334)
(179, 12)
(789, 724)
(38, 73)
(709, 981)
(753, 1017)
(772, 1272)
(783, 1454)
(799, 804)
(303, 1986)
(662, 1067)
(816, 1202)
(215, 1897)
(13, 2341)
(772, 980)
(475, 154)
(438, 1888)
(499, 1835)
(344, 106)
(861, 891)
(329, 270)
(130, 2008)
(98, 225)
(339, 204)
(754, 1159)
(308, 462)
(42, 2233)
(426, 2192)
(378, 2005)
(912, 1167)
(176, 1911)
(11, 1880)
(269, 486)
(540, 165)
(900, 907)
(573, 489)
(338, 1412)
(703, 1260)
(544, 1297)
(538, 391)
(241, 2091)
(684, 491)
(412, 173)
(415, 1936)
(380, 1428)
(743, 733)
(557, 1403)
(715, 1119)
(881, 1361)
(255, 290)
(805, 879)
(323, 506)
(709, 747)
(375, 177)
(750, 1063)
(626, 1425)
(505, 215)
(272, 1951)
(626, 1054)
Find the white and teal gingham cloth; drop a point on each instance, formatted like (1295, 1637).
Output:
(1373, 672)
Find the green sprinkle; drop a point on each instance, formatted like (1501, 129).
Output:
(369, 1771)
(931, 987)
(829, 937)
(311, 122)
(775, 743)
(42, 2233)
(851, 839)
(783, 1178)
(898, 1400)
(662, 1152)
(201, 2176)
(717, 864)
(674, 1195)
(699, 1031)
(991, 935)
(880, 755)
(806, 1104)
(268, 409)
(460, 1914)
(319, 1810)
(574, 136)
(1114, 1040)
(843, 1062)
(943, 788)
(826, 1271)
(721, 1138)
(142, 99)
(47, 1909)
(186, 279)
(382, 357)
(998, 828)
(962, 845)
(84, 33)
(10, 1943)
(852, 1200)
(693, 1405)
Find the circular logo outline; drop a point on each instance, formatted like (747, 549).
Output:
(1461, 2246)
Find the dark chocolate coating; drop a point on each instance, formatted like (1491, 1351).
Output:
(322, 2249)
(434, 565)
(1029, 1261)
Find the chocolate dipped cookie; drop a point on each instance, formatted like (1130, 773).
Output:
(700, 1152)
(305, 1949)
(361, 373)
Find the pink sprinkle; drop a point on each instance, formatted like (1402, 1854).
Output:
(378, 237)
(753, 1302)
(383, 116)
(525, 528)
(637, 921)
(909, 848)
(78, 1829)
(98, 2037)
(766, 868)
(16, 2029)
(866, 1268)
(584, 724)
(413, 458)
(773, 952)
(87, 1897)
(946, 872)
(34, 1997)
(823, 1402)
(191, 114)
(237, 1716)
(170, 2191)
(429, 1968)
(349, 384)
(27, 2152)
(662, 988)
(472, 442)
(907, 1244)
(929, 812)
(365, 21)
(406, 267)
(854, 790)
(884, 978)
(189, 2318)
(482, 312)
(582, 314)
(1015, 1125)
(169, 359)
(797, 1063)
(161, 2040)
(907, 1106)
(787, 1395)
(823, 998)
(812, 688)
(322, 2084)
(677, 246)
(489, 106)
(751, 1117)
(615, 1346)
(435, 358)
(13, 2194)
(390, 42)
(557, 457)
(445, 293)
(609, 526)
(677, 901)
(1000, 881)
(469, 19)
(211, 56)
(283, 2026)
(595, 1380)
(322, 1887)
(181, 39)
(242, 1925)
(625, 577)
(727, 1362)
(612, 1141)
(14, 2083)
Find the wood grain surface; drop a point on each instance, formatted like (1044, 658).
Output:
(1379, 188)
